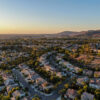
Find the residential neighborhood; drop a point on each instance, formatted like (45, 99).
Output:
(36, 69)
(49, 49)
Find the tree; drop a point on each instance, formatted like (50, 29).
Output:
(97, 93)
(80, 91)
(66, 86)
(5, 98)
(36, 97)
(85, 88)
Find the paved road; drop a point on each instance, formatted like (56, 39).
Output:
(32, 92)
(24, 83)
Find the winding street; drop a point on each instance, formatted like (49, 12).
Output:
(55, 95)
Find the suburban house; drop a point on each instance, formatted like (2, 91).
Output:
(94, 83)
(82, 80)
(87, 96)
(71, 94)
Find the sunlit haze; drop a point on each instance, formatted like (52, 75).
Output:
(48, 16)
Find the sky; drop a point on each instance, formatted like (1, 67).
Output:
(48, 16)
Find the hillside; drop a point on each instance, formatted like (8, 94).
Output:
(90, 33)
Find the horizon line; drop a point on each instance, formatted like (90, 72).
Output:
(46, 33)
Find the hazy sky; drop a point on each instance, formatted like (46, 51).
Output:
(48, 16)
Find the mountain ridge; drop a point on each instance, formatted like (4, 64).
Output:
(89, 33)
